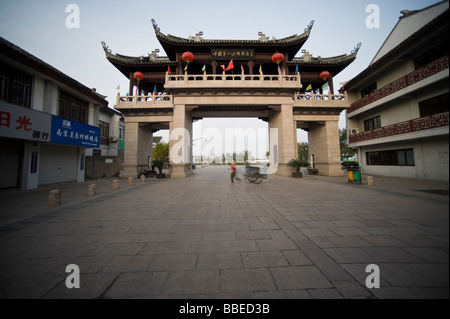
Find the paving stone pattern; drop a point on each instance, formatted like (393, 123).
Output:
(202, 237)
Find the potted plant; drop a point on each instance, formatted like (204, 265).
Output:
(297, 163)
(160, 155)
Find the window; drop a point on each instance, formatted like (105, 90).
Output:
(372, 123)
(72, 108)
(392, 158)
(122, 132)
(15, 86)
(431, 55)
(435, 105)
(370, 89)
(104, 129)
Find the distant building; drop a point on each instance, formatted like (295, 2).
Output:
(399, 113)
(48, 122)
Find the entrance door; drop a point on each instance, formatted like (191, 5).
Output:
(10, 163)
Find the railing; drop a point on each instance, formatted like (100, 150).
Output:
(405, 81)
(420, 124)
(325, 100)
(233, 80)
(153, 100)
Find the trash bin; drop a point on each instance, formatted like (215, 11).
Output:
(354, 174)
(350, 175)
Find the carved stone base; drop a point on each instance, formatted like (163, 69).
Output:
(180, 170)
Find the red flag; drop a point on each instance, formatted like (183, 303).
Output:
(223, 66)
(168, 70)
(242, 69)
(279, 70)
(230, 66)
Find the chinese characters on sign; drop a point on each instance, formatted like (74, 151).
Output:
(235, 54)
(74, 133)
(23, 123)
(28, 124)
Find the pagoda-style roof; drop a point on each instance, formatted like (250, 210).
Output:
(309, 64)
(127, 64)
(155, 67)
(197, 44)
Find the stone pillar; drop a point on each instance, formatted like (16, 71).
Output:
(130, 181)
(180, 142)
(115, 184)
(323, 142)
(138, 148)
(54, 197)
(281, 118)
(92, 189)
(142, 179)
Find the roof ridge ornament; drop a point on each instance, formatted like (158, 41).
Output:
(356, 49)
(262, 37)
(154, 55)
(106, 48)
(155, 26)
(306, 57)
(197, 38)
(309, 26)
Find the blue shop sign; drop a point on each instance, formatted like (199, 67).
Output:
(65, 131)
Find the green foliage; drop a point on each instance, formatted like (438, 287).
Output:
(302, 151)
(161, 151)
(343, 141)
(297, 163)
(160, 156)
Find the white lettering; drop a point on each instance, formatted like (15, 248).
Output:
(373, 19)
(373, 280)
(73, 19)
(73, 280)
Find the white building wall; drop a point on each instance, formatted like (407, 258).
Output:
(38, 89)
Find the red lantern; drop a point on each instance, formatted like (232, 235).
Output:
(277, 58)
(138, 75)
(187, 57)
(324, 75)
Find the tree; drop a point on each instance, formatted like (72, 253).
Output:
(302, 150)
(343, 141)
(160, 155)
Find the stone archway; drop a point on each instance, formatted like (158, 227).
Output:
(273, 98)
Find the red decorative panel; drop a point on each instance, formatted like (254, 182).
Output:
(420, 124)
(397, 85)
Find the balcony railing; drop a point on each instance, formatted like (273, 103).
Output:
(321, 100)
(416, 125)
(232, 81)
(144, 101)
(405, 81)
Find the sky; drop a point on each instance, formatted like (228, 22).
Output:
(39, 27)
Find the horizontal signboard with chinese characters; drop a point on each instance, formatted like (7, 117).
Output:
(23, 123)
(65, 131)
(232, 54)
(31, 125)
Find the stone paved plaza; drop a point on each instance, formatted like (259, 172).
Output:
(202, 237)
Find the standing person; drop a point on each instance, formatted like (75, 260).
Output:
(233, 169)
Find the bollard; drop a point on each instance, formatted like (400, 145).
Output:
(369, 180)
(115, 184)
(54, 197)
(142, 178)
(130, 181)
(92, 189)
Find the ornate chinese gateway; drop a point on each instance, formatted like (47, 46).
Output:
(260, 78)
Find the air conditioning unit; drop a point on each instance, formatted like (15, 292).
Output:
(353, 131)
(113, 139)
